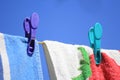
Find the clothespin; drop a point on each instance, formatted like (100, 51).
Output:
(95, 34)
(30, 26)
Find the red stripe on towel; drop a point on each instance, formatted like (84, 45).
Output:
(107, 70)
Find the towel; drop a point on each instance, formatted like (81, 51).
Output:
(15, 64)
(76, 62)
(65, 61)
(109, 68)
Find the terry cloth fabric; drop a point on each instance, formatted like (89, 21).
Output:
(15, 64)
(109, 68)
(63, 62)
(66, 62)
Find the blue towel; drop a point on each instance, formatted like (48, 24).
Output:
(15, 64)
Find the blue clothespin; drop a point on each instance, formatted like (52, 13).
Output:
(30, 26)
(95, 34)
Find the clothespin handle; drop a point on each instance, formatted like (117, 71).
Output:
(91, 37)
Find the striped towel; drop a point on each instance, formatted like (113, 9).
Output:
(15, 64)
(76, 62)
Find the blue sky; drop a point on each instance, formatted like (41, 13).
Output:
(66, 21)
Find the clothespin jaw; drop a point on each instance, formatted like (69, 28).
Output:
(30, 26)
(97, 53)
(95, 34)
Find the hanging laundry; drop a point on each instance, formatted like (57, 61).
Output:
(65, 61)
(76, 62)
(15, 64)
(109, 68)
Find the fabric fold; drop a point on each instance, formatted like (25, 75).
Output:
(67, 62)
(18, 65)
(63, 60)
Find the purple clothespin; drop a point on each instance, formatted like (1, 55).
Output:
(30, 26)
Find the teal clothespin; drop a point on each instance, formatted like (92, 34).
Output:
(95, 34)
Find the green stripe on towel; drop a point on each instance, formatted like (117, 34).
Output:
(85, 66)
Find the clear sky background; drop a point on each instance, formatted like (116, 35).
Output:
(66, 21)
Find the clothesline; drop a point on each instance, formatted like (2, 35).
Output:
(63, 61)
(40, 42)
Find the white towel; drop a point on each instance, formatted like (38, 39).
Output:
(63, 60)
